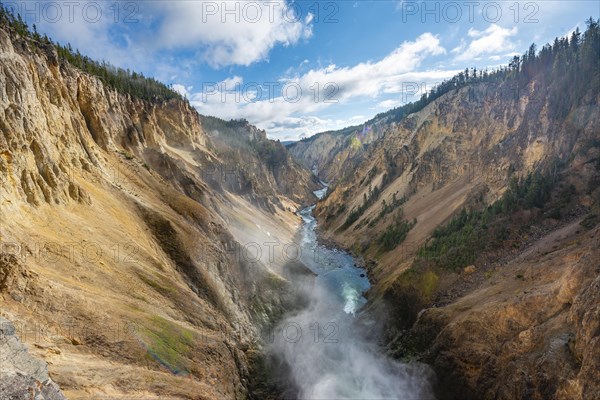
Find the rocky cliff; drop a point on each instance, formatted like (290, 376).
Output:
(528, 327)
(19, 372)
(124, 225)
(461, 149)
(332, 156)
(499, 298)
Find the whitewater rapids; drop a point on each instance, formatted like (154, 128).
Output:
(326, 352)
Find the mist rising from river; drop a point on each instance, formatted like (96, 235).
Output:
(327, 352)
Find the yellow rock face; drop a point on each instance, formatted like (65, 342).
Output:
(118, 232)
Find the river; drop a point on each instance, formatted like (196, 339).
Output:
(325, 347)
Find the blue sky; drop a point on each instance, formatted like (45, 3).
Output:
(299, 68)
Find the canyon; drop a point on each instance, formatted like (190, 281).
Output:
(124, 226)
(142, 244)
(504, 308)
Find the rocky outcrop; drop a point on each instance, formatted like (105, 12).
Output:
(21, 375)
(122, 260)
(521, 321)
(529, 331)
(459, 151)
(333, 156)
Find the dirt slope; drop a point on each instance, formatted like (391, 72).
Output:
(522, 320)
(123, 269)
(529, 327)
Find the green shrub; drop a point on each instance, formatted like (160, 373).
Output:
(459, 242)
(124, 81)
(395, 233)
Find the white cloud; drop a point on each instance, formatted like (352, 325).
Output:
(372, 78)
(222, 33)
(425, 80)
(228, 33)
(387, 104)
(231, 83)
(182, 90)
(489, 42)
(294, 128)
(307, 92)
(87, 31)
